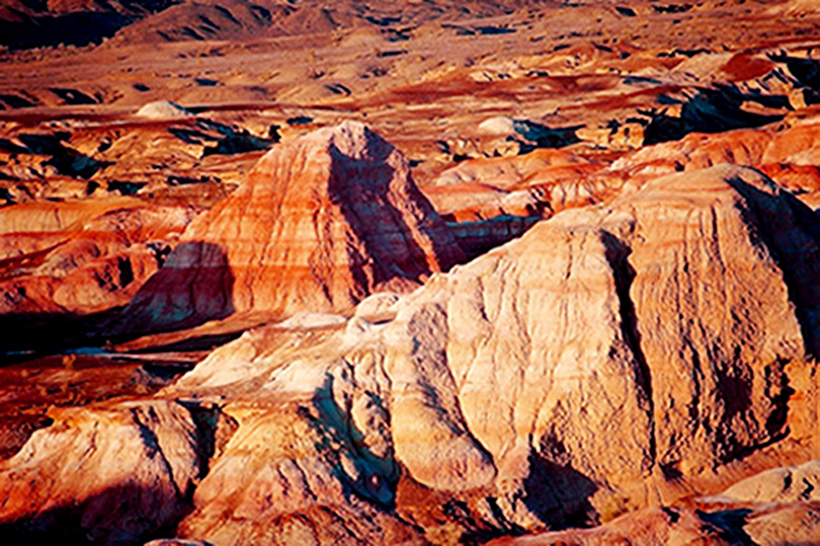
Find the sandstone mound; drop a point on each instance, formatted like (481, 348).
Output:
(664, 380)
(489, 201)
(163, 109)
(797, 8)
(130, 478)
(608, 358)
(322, 222)
(764, 525)
(775, 507)
(649, 527)
(49, 217)
(796, 523)
(785, 484)
(82, 263)
(571, 375)
(794, 142)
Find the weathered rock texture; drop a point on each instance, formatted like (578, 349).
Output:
(491, 386)
(82, 259)
(623, 363)
(587, 369)
(105, 475)
(781, 505)
(774, 507)
(648, 527)
(784, 485)
(321, 223)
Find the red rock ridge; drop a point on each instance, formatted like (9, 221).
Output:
(321, 222)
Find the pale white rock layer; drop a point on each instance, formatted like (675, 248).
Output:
(568, 376)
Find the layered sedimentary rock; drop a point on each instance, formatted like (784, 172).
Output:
(490, 385)
(781, 505)
(783, 485)
(321, 222)
(764, 524)
(90, 259)
(107, 476)
(585, 370)
(634, 363)
(490, 201)
(648, 527)
(795, 141)
(774, 507)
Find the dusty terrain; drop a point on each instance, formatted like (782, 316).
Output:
(410, 272)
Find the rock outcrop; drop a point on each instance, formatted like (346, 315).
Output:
(784, 485)
(699, 300)
(504, 397)
(625, 350)
(532, 185)
(766, 509)
(648, 527)
(781, 505)
(796, 523)
(81, 265)
(163, 110)
(488, 389)
(322, 222)
(106, 476)
(490, 201)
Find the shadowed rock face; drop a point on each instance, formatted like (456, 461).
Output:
(778, 506)
(320, 223)
(194, 285)
(650, 527)
(490, 385)
(609, 358)
(25, 24)
(638, 357)
(131, 479)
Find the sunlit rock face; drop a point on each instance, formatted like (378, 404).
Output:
(320, 223)
(307, 273)
(82, 258)
(604, 362)
(489, 386)
(777, 506)
(130, 478)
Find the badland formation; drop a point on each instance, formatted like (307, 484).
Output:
(527, 272)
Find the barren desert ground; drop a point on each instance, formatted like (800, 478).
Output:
(310, 272)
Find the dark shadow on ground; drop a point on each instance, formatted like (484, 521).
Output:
(709, 110)
(76, 29)
(730, 525)
(65, 160)
(196, 343)
(67, 525)
(121, 513)
(535, 135)
(558, 493)
(36, 27)
(28, 335)
(194, 285)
